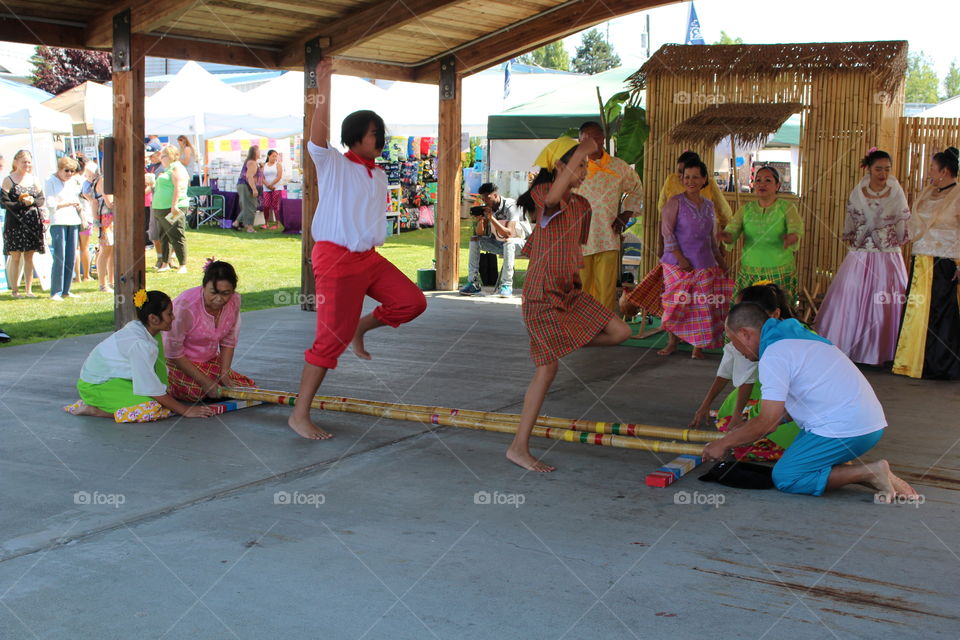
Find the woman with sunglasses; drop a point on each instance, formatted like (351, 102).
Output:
(62, 191)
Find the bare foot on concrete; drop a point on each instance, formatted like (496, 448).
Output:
(307, 429)
(81, 408)
(357, 345)
(881, 480)
(697, 354)
(527, 461)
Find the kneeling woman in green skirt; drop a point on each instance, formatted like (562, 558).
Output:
(125, 376)
(743, 402)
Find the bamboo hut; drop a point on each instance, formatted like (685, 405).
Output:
(849, 95)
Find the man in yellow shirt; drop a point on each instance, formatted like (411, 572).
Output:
(608, 180)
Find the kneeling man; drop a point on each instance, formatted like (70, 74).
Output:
(834, 405)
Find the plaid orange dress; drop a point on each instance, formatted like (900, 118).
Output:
(560, 317)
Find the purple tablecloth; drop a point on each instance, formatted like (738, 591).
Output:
(291, 215)
(231, 203)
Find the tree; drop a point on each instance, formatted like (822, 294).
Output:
(56, 70)
(922, 81)
(951, 83)
(594, 54)
(725, 39)
(549, 56)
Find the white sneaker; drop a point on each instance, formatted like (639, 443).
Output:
(72, 295)
(57, 297)
(182, 270)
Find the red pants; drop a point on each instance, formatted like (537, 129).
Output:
(343, 278)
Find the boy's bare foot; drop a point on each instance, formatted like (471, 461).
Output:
(357, 345)
(528, 462)
(81, 408)
(697, 354)
(307, 429)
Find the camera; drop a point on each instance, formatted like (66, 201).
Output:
(478, 210)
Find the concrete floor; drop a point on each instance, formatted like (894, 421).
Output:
(233, 527)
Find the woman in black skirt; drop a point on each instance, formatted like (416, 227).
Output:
(23, 232)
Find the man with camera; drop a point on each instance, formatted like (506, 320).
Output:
(500, 229)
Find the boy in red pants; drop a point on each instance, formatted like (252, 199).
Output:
(347, 226)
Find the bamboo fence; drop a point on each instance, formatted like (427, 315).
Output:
(482, 421)
(920, 138)
(851, 97)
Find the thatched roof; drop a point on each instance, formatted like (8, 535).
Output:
(749, 123)
(887, 60)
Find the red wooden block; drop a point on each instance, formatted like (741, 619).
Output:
(659, 479)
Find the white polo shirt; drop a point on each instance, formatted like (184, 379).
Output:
(352, 211)
(822, 389)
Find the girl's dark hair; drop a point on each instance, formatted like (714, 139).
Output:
(769, 297)
(696, 164)
(948, 159)
(688, 156)
(525, 201)
(873, 156)
(766, 167)
(269, 152)
(157, 302)
(355, 126)
(220, 270)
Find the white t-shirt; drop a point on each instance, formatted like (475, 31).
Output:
(352, 211)
(734, 366)
(822, 389)
(131, 354)
(57, 193)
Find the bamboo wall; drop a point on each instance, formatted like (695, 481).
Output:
(844, 114)
(920, 138)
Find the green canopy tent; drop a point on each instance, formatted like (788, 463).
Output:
(517, 134)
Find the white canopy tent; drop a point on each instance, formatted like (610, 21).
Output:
(84, 103)
(949, 108)
(196, 103)
(30, 127)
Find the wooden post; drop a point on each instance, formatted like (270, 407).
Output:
(733, 169)
(128, 168)
(315, 96)
(448, 179)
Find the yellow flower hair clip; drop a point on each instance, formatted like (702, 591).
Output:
(139, 298)
(761, 283)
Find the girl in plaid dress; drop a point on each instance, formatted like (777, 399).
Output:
(560, 317)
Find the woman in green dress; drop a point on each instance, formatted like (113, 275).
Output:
(771, 228)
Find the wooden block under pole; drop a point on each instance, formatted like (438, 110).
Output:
(316, 95)
(128, 176)
(449, 175)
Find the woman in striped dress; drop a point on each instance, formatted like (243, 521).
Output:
(560, 317)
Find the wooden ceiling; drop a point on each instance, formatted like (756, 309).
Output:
(390, 39)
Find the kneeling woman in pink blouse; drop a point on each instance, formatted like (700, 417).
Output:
(199, 346)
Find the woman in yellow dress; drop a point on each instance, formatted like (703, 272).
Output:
(929, 341)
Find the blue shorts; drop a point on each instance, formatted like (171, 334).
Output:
(807, 463)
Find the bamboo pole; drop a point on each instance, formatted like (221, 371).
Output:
(614, 428)
(454, 418)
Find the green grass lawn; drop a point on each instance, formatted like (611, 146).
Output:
(268, 264)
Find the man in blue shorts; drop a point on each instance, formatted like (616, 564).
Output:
(823, 391)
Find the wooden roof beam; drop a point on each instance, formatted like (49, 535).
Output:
(361, 26)
(528, 35)
(29, 31)
(146, 16)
